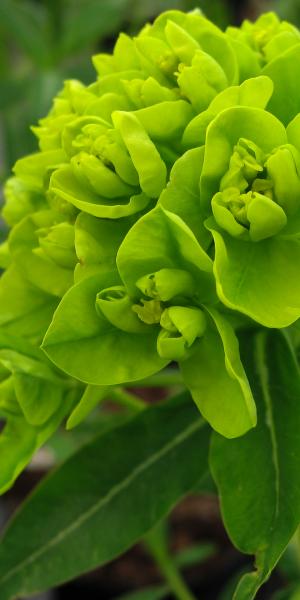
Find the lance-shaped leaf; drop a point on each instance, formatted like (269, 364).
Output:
(258, 474)
(84, 344)
(161, 240)
(170, 438)
(217, 381)
(258, 279)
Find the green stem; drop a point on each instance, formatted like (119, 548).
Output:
(126, 399)
(175, 580)
(166, 378)
(156, 542)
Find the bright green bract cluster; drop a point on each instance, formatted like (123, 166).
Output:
(160, 216)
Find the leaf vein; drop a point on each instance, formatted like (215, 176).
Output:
(115, 490)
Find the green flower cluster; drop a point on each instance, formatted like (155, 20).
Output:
(160, 215)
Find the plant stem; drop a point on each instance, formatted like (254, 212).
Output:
(156, 542)
(175, 580)
(166, 378)
(126, 399)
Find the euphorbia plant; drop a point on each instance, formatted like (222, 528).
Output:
(155, 239)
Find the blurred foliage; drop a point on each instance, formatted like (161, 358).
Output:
(289, 10)
(43, 42)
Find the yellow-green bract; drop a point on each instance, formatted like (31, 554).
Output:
(159, 217)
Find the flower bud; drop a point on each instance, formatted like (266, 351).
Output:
(149, 311)
(166, 284)
(115, 305)
(181, 326)
(58, 244)
(283, 167)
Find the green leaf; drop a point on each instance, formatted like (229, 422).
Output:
(182, 194)
(91, 396)
(36, 266)
(217, 381)
(34, 168)
(201, 81)
(87, 21)
(84, 344)
(285, 72)
(97, 242)
(21, 348)
(19, 440)
(39, 399)
(211, 40)
(25, 309)
(25, 24)
(38, 388)
(70, 189)
(255, 92)
(20, 200)
(146, 159)
(77, 536)
(161, 240)
(165, 120)
(258, 474)
(248, 60)
(259, 279)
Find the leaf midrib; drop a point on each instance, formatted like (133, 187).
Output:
(269, 418)
(115, 490)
